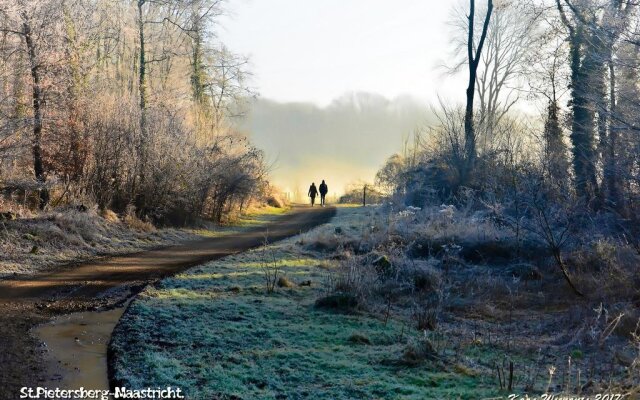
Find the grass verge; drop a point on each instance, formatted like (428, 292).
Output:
(32, 244)
(216, 332)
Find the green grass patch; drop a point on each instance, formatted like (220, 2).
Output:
(215, 332)
(259, 216)
(254, 218)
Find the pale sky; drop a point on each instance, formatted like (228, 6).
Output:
(318, 50)
(305, 54)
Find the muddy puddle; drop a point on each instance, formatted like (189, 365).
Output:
(76, 348)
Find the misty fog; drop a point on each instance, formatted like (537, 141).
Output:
(344, 142)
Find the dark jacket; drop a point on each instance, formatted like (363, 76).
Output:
(313, 192)
(324, 189)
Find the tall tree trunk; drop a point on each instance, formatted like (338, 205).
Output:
(582, 124)
(198, 72)
(611, 176)
(142, 68)
(582, 127)
(473, 61)
(139, 178)
(602, 120)
(78, 142)
(198, 81)
(38, 165)
(469, 129)
(627, 99)
(555, 148)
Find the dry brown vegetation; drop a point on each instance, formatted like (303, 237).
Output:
(117, 118)
(34, 241)
(129, 106)
(519, 234)
(485, 298)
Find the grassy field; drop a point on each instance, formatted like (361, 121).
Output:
(217, 332)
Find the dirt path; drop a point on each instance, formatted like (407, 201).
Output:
(29, 301)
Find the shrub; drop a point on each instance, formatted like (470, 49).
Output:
(109, 215)
(283, 282)
(426, 278)
(345, 302)
(426, 311)
(274, 201)
(83, 224)
(359, 338)
(418, 351)
(135, 223)
(271, 268)
(525, 272)
(327, 242)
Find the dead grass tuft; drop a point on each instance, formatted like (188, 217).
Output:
(109, 215)
(135, 223)
(283, 282)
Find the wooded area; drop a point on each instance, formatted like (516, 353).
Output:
(125, 104)
(577, 61)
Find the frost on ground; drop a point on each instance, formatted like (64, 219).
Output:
(252, 326)
(391, 303)
(36, 242)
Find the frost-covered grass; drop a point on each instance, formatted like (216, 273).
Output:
(35, 242)
(217, 333)
(258, 216)
(253, 218)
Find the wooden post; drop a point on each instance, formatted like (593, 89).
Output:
(510, 387)
(364, 196)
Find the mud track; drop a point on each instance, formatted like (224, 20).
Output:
(26, 302)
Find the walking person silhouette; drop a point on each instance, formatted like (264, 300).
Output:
(323, 192)
(313, 192)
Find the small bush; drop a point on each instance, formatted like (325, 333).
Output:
(275, 202)
(283, 282)
(83, 224)
(426, 278)
(271, 268)
(338, 302)
(418, 351)
(525, 272)
(8, 216)
(325, 242)
(493, 252)
(359, 338)
(109, 215)
(426, 317)
(629, 323)
(135, 223)
(425, 248)
(383, 266)
(607, 269)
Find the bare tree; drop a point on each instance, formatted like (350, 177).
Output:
(127, 103)
(35, 25)
(511, 38)
(474, 53)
